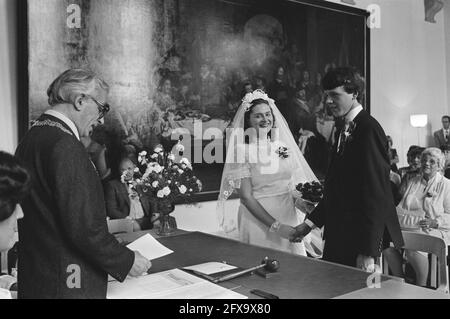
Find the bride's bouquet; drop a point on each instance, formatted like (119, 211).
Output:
(308, 196)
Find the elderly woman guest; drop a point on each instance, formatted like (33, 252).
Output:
(425, 207)
(14, 181)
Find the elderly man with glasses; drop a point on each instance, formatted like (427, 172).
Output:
(65, 249)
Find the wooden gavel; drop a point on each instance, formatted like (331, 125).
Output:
(271, 265)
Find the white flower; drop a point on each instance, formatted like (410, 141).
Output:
(136, 170)
(226, 193)
(231, 183)
(160, 194)
(183, 166)
(180, 171)
(184, 160)
(158, 149)
(169, 182)
(179, 147)
(171, 157)
(166, 191)
(138, 181)
(155, 184)
(182, 189)
(157, 168)
(154, 156)
(143, 153)
(140, 159)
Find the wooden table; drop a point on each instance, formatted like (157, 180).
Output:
(298, 277)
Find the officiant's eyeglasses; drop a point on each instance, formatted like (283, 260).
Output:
(102, 108)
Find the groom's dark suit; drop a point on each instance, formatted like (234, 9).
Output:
(358, 209)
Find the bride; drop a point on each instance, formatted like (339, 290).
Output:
(263, 165)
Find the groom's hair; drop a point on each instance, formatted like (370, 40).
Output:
(347, 77)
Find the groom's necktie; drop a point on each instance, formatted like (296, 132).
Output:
(340, 132)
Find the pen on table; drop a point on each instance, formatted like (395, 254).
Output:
(264, 294)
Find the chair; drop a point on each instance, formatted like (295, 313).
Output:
(431, 245)
(117, 226)
(4, 257)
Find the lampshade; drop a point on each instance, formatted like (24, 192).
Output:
(419, 120)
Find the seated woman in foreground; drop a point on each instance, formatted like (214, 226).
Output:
(425, 207)
(14, 184)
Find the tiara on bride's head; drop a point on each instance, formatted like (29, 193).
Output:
(255, 95)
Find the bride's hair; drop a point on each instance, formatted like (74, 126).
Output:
(249, 111)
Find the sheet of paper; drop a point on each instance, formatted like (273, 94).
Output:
(149, 247)
(171, 284)
(210, 268)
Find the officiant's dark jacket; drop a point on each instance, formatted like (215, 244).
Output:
(65, 250)
(358, 209)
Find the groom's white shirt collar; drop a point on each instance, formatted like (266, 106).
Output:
(66, 120)
(353, 113)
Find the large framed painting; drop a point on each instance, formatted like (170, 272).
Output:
(183, 66)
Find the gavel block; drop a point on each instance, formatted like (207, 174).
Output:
(266, 274)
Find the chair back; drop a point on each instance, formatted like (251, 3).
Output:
(438, 250)
(118, 226)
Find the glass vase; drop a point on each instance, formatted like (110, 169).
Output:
(167, 223)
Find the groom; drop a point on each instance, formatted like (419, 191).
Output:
(357, 209)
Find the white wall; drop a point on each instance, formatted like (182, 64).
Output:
(408, 71)
(8, 78)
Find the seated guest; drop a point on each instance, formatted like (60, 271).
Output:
(14, 183)
(425, 207)
(413, 170)
(121, 202)
(446, 150)
(393, 156)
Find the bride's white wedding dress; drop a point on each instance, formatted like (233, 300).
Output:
(271, 188)
(273, 179)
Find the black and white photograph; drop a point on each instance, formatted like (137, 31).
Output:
(224, 149)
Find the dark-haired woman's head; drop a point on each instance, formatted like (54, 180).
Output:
(344, 89)
(14, 185)
(259, 117)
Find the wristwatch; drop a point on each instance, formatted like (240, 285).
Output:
(275, 226)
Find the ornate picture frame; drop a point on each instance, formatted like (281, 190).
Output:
(184, 65)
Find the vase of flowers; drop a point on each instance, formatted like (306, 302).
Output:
(165, 179)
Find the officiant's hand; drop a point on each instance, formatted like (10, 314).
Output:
(140, 266)
(300, 231)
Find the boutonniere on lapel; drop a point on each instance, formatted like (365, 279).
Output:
(282, 152)
(348, 133)
(347, 136)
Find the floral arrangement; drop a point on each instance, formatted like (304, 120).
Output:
(163, 178)
(282, 152)
(250, 97)
(312, 192)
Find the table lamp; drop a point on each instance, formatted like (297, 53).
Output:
(418, 121)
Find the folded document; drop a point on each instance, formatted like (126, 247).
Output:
(171, 284)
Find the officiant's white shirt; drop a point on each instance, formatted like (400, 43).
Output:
(66, 120)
